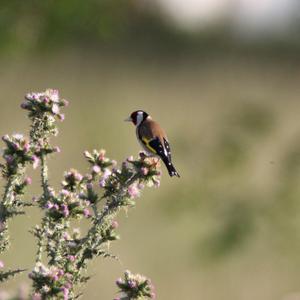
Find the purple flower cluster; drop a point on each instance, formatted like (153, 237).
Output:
(98, 161)
(72, 181)
(52, 282)
(66, 204)
(131, 179)
(48, 101)
(17, 153)
(135, 287)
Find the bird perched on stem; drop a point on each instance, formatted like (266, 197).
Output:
(152, 138)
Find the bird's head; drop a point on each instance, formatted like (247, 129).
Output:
(137, 117)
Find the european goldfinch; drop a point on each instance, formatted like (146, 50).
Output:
(152, 138)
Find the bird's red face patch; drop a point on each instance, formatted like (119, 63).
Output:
(133, 117)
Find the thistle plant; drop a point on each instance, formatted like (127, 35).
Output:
(63, 252)
(135, 286)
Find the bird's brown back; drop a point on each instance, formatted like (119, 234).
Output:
(150, 129)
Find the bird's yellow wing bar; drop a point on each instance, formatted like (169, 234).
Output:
(147, 144)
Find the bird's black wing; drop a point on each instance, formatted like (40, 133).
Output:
(156, 145)
(168, 149)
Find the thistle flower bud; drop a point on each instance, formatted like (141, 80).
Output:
(49, 205)
(55, 109)
(61, 117)
(144, 171)
(56, 149)
(86, 213)
(65, 293)
(96, 169)
(9, 159)
(65, 210)
(71, 258)
(25, 105)
(135, 286)
(36, 296)
(28, 181)
(65, 102)
(89, 186)
(130, 159)
(133, 191)
(114, 224)
(35, 161)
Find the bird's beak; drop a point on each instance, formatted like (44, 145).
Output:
(128, 119)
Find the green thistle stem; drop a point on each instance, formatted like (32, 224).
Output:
(44, 177)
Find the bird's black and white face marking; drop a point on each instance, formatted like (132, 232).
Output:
(137, 117)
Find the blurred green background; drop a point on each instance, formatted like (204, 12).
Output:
(224, 83)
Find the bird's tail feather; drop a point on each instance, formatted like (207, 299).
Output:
(171, 169)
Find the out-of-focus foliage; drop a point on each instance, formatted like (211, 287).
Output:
(33, 24)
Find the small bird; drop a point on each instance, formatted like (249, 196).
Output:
(152, 138)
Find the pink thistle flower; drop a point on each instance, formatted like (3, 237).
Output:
(65, 210)
(114, 224)
(49, 205)
(9, 159)
(61, 117)
(65, 102)
(87, 202)
(156, 183)
(35, 199)
(35, 161)
(51, 192)
(46, 100)
(130, 159)
(78, 176)
(55, 206)
(56, 149)
(132, 284)
(55, 109)
(69, 276)
(71, 258)
(144, 171)
(26, 147)
(89, 185)
(36, 296)
(24, 105)
(104, 177)
(141, 186)
(1, 264)
(55, 277)
(5, 138)
(86, 213)
(28, 181)
(65, 192)
(96, 169)
(52, 94)
(66, 293)
(86, 153)
(66, 236)
(68, 285)
(133, 191)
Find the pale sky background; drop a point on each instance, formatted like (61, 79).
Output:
(246, 16)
